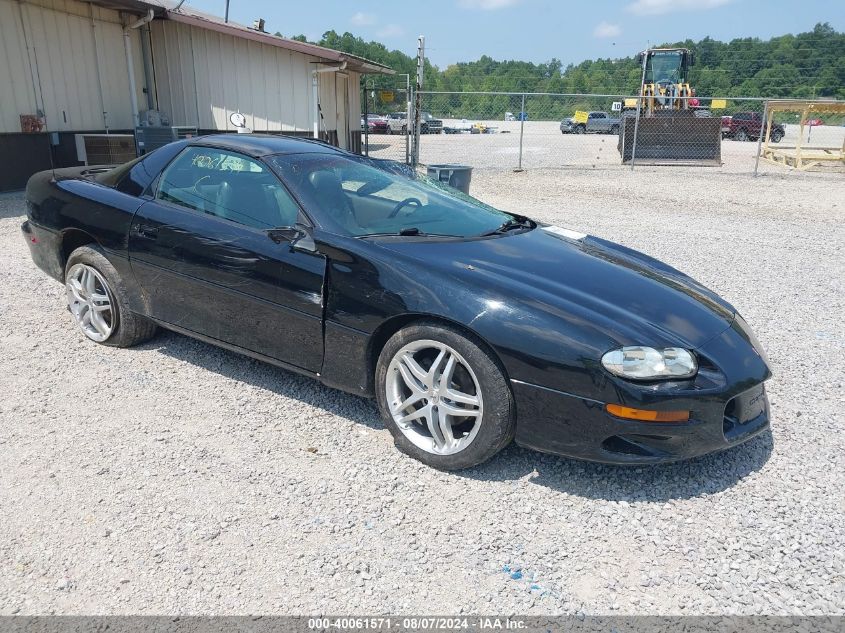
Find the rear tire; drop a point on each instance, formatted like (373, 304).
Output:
(99, 302)
(614, 129)
(741, 134)
(776, 136)
(436, 433)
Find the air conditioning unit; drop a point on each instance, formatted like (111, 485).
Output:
(104, 149)
(150, 137)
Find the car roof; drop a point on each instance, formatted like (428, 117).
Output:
(258, 145)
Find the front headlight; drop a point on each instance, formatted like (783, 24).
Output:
(647, 363)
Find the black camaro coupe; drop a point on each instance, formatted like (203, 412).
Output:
(470, 326)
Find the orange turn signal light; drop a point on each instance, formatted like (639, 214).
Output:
(645, 415)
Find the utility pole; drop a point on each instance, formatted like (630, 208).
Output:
(418, 98)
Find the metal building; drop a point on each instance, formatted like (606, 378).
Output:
(70, 68)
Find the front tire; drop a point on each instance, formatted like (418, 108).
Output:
(776, 136)
(741, 135)
(99, 303)
(580, 129)
(443, 397)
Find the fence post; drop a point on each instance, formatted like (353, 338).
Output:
(366, 119)
(763, 130)
(639, 110)
(521, 131)
(418, 99)
(407, 118)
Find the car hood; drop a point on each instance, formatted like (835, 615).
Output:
(636, 298)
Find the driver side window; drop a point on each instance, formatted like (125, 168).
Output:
(229, 186)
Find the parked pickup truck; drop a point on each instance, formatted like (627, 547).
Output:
(597, 123)
(747, 126)
(398, 124)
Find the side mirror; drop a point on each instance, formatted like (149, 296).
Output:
(297, 236)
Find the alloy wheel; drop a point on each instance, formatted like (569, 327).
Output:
(434, 397)
(90, 301)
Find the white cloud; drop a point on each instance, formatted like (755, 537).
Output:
(487, 5)
(659, 7)
(391, 30)
(605, 29)
(363, 19)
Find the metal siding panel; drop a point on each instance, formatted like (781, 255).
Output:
(301, 92)
(287, 116)
(230, 84)
(202, 77)
(187, 87)
(43, 73)
(216, 84)
(114, 75)
(162, 66)
(243, 94)
(83, 70)
(328, 101)
(257, 86)
(173, 64)
(159, 58)
(272, 114)
(19, 98)
(271, 86)
(62, 42)
(138, 63)
(355, 102)
(272, 72)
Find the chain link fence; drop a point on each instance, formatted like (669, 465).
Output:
(498, 130)
(384, 123)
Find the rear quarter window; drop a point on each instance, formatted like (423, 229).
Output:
(134, 178)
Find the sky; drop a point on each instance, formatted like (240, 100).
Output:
(533, 30)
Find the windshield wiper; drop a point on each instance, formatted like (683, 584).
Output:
(410, 231)
(516, 222)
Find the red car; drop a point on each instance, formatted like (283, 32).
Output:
(747, 126)
(376, 123)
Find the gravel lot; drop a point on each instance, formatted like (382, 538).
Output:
(544, 147)
(180, 478)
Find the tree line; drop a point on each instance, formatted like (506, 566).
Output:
(804, 66)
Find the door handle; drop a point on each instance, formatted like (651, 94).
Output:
(145, 230)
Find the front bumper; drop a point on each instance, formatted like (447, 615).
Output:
(727, 413)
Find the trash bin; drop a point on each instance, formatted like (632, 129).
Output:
(457, 176)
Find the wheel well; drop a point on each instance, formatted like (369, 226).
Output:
(71, 240)
(387, 329)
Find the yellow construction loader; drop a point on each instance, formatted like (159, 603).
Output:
(666, 122)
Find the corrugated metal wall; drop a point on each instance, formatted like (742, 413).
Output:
(66, 58)
(202, 76)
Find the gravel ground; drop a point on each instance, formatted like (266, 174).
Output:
(180, 478)
(544, 147)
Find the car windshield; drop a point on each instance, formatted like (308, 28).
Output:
(358, 197)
